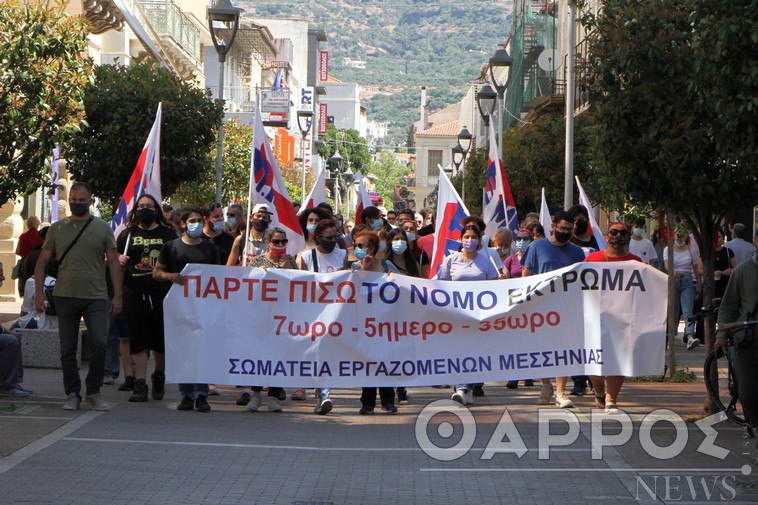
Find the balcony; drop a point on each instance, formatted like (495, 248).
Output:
(179, 36)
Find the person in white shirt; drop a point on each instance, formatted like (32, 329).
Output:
(642, 246)
(741, 248)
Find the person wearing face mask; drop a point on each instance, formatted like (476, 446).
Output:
(372, 216)
(409, 226)
(81, 289)
(641, 246)
(467, 265)
(213, 230)
(608, 388)
(325, 257)
(685, 264)
(141, 243)
(582, 237)
(275, 256)
(547, 255)
(174, 256)
(309, 219)
(235, 223)
(503, 243)
(256, 245)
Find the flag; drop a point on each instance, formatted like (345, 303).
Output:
(545, 219)
(450, 213)
(318, 192)
(594, 228)
(279, 82)
(146, 177)
(364, 200)
(267, 186)
(499, 207)
(56, 175)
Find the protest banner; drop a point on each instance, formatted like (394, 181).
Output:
(290, 328)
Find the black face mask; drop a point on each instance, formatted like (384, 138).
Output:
(618, 242)
(79, 209)
(328, 245)
(259, 224)
(145, 216)
(582, 227)
(562, 236)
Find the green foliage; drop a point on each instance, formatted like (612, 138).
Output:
(121, 107)
(388, 173)
(351, 145)
(43, 73)
(235, 176)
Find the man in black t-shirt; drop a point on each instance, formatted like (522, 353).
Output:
(213, 231)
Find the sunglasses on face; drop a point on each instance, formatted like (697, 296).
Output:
(279, 241)
(528, 239)
(361, 246)
(616, 231)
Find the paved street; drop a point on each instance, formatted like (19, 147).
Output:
(151, 453)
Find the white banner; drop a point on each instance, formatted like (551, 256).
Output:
(242, 326)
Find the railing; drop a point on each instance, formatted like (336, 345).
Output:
(168, 19)
(581, 66)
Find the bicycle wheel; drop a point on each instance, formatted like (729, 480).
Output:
(721, 383)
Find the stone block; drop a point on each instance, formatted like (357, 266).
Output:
(42, 348)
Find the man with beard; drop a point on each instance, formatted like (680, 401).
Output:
(545, 256)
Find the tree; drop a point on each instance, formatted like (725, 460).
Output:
(121, 106)
(43, 73)
(388, 172)
(351, 145)
(658, 133)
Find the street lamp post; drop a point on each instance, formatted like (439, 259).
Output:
(336, 163)
(221, 17)
(500, 59)
(304, 120)
(461, 151)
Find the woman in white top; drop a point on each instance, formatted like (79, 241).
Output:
(31, 319)
(684, 263)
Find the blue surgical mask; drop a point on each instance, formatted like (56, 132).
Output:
(411, 236)
(360, 253)
(637, 232)
(232, 221)
(376, 223)
(522, 244)
(399, 246)
(311, 227)
(194, 230)
(678, 243)
(218, 226)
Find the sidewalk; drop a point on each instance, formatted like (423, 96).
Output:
(150, 453)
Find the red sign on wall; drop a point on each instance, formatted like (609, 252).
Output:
(323, 67)
(322, 118)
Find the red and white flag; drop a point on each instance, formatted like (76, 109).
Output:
(267, 186)
(364, 200)
(594, 228)
(145, 179)
(318, 192)
(449, 223)
(499, 206)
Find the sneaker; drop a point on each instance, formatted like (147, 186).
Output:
(529, 383)
(459, 396)
(546, 396)
(12, 391)
(323, 407)
(366, 410)
(213, 390)
(402, 395)
(98, 403)
(202, 405)
(128, 384)
(298, 395)
(109, 380)
(389, 408)
(22, 388)
(274, 404)
(563, 402)
(511, 384)
(692, 343)
(468, 398)
(255, 401)
(159, 385)
(579, 386)
(186, 404)
(140, 391)
(244, 398)
(72, 402)
(478, 390)
(282, 395)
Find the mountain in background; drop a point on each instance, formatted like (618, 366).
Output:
(405, 44)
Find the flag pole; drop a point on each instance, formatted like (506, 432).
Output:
(251, 181)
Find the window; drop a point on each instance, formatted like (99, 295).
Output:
(435, 161)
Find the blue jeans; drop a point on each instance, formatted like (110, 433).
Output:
(193, 390)
(684, 298)
(11, 367)
(97, 316)
(117, 330)
(322, 393)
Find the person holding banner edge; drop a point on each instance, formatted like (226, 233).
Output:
(467, 265)
(174, 256)
(617, 239)
(542, 256)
